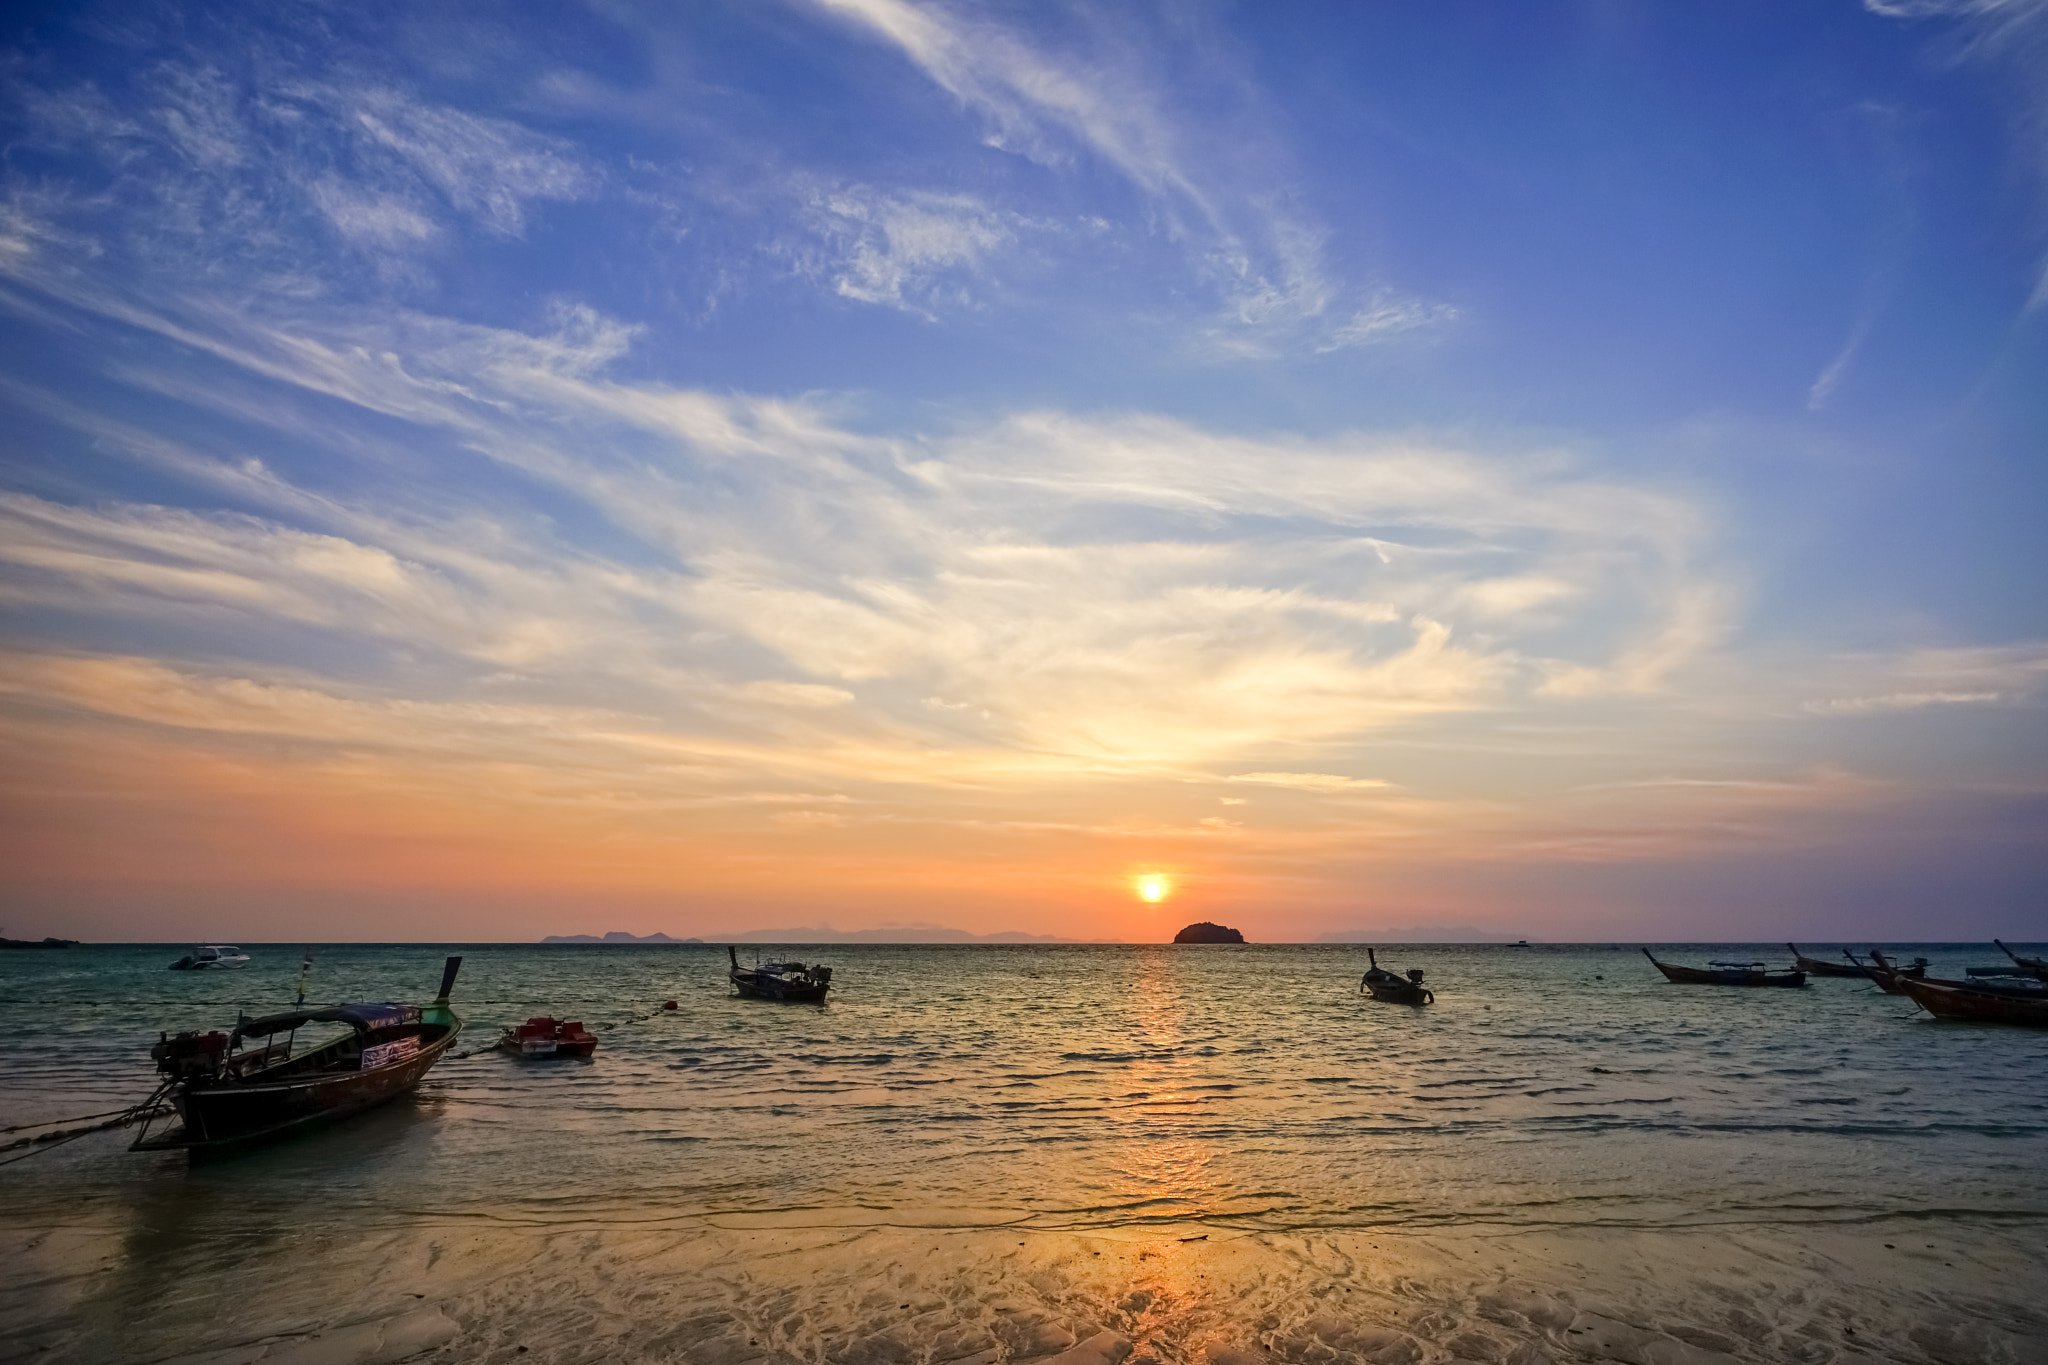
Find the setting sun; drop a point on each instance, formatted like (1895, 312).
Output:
(1154, 888)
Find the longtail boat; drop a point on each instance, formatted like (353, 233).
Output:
(1814, 966)
(2036, 965)
(1382, 984)
(2025, 1005)
(1888, 975)
(1726, 974)
(232, 1089)
(780, 980)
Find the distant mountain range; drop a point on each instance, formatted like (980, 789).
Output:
(617, 936)
(894, 933)
(1418, 933)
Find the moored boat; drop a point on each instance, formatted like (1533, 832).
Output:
(1816, 966)
(212, 956)
(544, 1036)
(1888, 974)
(2037, 966)
(1726, 974)
(1962, 1000)
(780, 980)
(230, 1089)
(1382, 984)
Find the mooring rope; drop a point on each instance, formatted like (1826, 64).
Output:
(44, 1142)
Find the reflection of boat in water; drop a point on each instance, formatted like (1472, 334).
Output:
(543, 1036)
(1815, 966)
(780, 980)
(230, 1089)
(218, 956)
(1726, 974)
(1382, 984)
(1980, 1003)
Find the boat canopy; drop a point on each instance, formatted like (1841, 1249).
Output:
(363, 1018)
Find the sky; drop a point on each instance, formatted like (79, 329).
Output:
(1566, 470)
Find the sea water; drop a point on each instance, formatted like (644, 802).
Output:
(982, 1153)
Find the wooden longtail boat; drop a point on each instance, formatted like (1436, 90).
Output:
(1726, 974)
(1382, 984)
(1814, 966)
(231, 1093)
(2037, 965)
(2025, 1005)
(1888, 974)
(780, 980)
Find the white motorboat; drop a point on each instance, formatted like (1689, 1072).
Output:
(216, 956)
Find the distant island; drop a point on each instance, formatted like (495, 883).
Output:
(617, 936)
(1206, 932)
(38, 943)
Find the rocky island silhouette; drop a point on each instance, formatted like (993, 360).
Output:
(1206, 932)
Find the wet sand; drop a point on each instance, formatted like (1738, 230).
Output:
(712, 1295)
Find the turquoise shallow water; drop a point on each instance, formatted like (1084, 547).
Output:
(1239, 1094)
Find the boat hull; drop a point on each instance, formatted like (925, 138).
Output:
(1814, 966)
(230, 1115)
(1725, 976)
(1957, 1000)
(1407, 993)
(768, 986)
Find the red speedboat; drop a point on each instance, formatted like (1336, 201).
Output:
(542, 1036)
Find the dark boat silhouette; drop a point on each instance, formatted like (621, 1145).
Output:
(230, 1094)
(1382, 984)
(1889, 975)
(1726, 974)
(1814, 966)
(1978, 1002)
(780, 980)
(2036, 966)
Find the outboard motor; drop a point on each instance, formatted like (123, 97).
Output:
(190, 1054)
(1415, 975)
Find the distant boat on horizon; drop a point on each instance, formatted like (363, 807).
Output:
(216, 956)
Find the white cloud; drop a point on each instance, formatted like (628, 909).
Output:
(489, 168)
(1310, 782)
(1042, 592)
(898, 249)
(1900, 701)
(1220, 189)
(368, 218)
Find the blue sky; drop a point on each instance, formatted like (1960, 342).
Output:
(1574, 468)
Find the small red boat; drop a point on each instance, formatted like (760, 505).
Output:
(543, 1036)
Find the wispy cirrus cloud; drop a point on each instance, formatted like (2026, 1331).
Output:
(1216, 187)
(904, 251)
(1039, 593)
(2013, 34)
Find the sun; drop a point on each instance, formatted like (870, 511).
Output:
(1154, 888)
